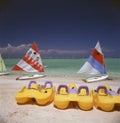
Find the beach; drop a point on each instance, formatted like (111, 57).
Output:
(11, 112)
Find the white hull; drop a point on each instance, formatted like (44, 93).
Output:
(4, 73)
(30, 77)
(94, 79)
(95, 65)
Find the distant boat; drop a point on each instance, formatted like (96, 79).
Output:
(95, 65)
(3, 69)
(31, 62)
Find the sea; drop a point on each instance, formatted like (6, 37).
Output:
(69, 67)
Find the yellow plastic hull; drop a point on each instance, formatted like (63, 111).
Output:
(63, 99)
(42, 96)
(61, 104)
(86, 103)
(104, 103)
(23, 100)
(106, 99)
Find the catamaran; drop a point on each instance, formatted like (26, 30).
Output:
(95, 65)
(3, 69)
(31, 62)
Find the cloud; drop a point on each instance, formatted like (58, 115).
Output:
(112, 52)
(19, 51)
(14, 52)
(64, 53)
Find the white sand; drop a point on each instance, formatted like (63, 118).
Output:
(11, 112)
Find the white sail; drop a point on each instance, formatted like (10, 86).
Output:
(2, 64)
(3, 69)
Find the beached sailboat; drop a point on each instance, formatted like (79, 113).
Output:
(3, 69)
(95, 65)
(31, 63)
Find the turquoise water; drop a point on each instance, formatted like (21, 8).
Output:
(69, 67)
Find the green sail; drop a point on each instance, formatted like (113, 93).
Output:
(2, 64)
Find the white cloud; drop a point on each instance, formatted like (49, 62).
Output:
(64, 53)
(18, 52)
(14, 51)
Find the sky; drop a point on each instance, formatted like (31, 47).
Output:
(63, 28)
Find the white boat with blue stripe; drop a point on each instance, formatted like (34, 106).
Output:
(95, 65)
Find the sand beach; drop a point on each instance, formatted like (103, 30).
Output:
(11, 112)
(57, 39)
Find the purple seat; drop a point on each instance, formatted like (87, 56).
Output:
(62, 86)
(46, 83)
(101, 87)
(83, 87)
(31, 82)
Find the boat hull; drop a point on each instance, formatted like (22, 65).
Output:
(4, 73)
(95, 79)
(86, 103)
(95, 65)
(105, 98)
(41, 95)
(63, 98)
(104, 103)
(60, 104)
(30, 77)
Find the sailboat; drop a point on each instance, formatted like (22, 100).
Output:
(3, 69)
(31, 62)
(95, 65)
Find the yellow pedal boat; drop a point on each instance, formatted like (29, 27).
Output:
(105, 98)
(67, 94)
(43, 94)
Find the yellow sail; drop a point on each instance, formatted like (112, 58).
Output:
(2, 64)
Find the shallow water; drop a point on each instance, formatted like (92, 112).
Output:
(69, 67)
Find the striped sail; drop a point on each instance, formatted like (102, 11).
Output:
(31, 62)
(95, 63)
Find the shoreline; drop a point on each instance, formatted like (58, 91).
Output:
(11, 112)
